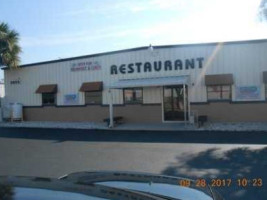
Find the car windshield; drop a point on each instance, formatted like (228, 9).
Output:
(133, 100)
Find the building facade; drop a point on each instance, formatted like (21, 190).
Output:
(224, 81)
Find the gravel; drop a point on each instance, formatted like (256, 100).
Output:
(238, 126)
(47, 124)
(218, 126)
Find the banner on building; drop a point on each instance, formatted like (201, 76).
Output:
(71, 99)
(85, 66)
(248, 93)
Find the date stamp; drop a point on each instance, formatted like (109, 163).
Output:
(217, 182)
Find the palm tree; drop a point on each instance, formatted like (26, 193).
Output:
(9, 47)
(263, 10)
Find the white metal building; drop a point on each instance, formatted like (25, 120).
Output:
(224, 81)
(2, 89)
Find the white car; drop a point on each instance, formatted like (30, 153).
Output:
(103, 185)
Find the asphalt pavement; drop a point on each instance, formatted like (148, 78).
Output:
(206, 155)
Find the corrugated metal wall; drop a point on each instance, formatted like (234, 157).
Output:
(246, 61)
(2, 90)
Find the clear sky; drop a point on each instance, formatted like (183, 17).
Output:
(52, 29)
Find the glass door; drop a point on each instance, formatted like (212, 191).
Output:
(173, 103)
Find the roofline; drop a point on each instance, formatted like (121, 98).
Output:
(137, 49)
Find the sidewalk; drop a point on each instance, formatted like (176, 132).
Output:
(248, 126)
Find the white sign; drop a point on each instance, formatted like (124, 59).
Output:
(71, 99)
(85, 66)
(248, 93)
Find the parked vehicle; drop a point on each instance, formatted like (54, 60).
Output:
(103, 185)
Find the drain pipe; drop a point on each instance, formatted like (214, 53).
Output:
(185, 110)
(111, 123)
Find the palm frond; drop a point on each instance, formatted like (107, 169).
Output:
(4, 27)
(9, 48)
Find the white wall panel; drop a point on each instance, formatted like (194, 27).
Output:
(2, 90)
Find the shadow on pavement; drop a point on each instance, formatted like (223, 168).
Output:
(232, 164)
(61, 135)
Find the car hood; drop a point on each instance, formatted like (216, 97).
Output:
(103, 185)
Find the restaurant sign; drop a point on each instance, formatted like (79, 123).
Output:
(248, 93)
(85, 66)
(158, 66)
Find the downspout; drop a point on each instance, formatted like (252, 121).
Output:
(111, 123)
(184, 103)
(188, 103)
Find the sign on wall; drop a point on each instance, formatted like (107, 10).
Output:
(15, 81)
(71, 99)
(85, 66)
(248, 93)
(158, 66)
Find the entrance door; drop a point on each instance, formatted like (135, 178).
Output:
(173, 103)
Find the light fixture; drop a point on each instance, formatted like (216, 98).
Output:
(150, 48)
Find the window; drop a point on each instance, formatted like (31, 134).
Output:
(219, 92)
(48, 98)
(133, 95)
(93, 97)
(266, 91)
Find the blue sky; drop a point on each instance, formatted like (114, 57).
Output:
(52, 29)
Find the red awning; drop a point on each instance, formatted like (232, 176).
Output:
(91, 87)
(219, 79)
(52, 88)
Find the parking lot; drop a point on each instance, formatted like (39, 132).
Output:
(206, 155)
